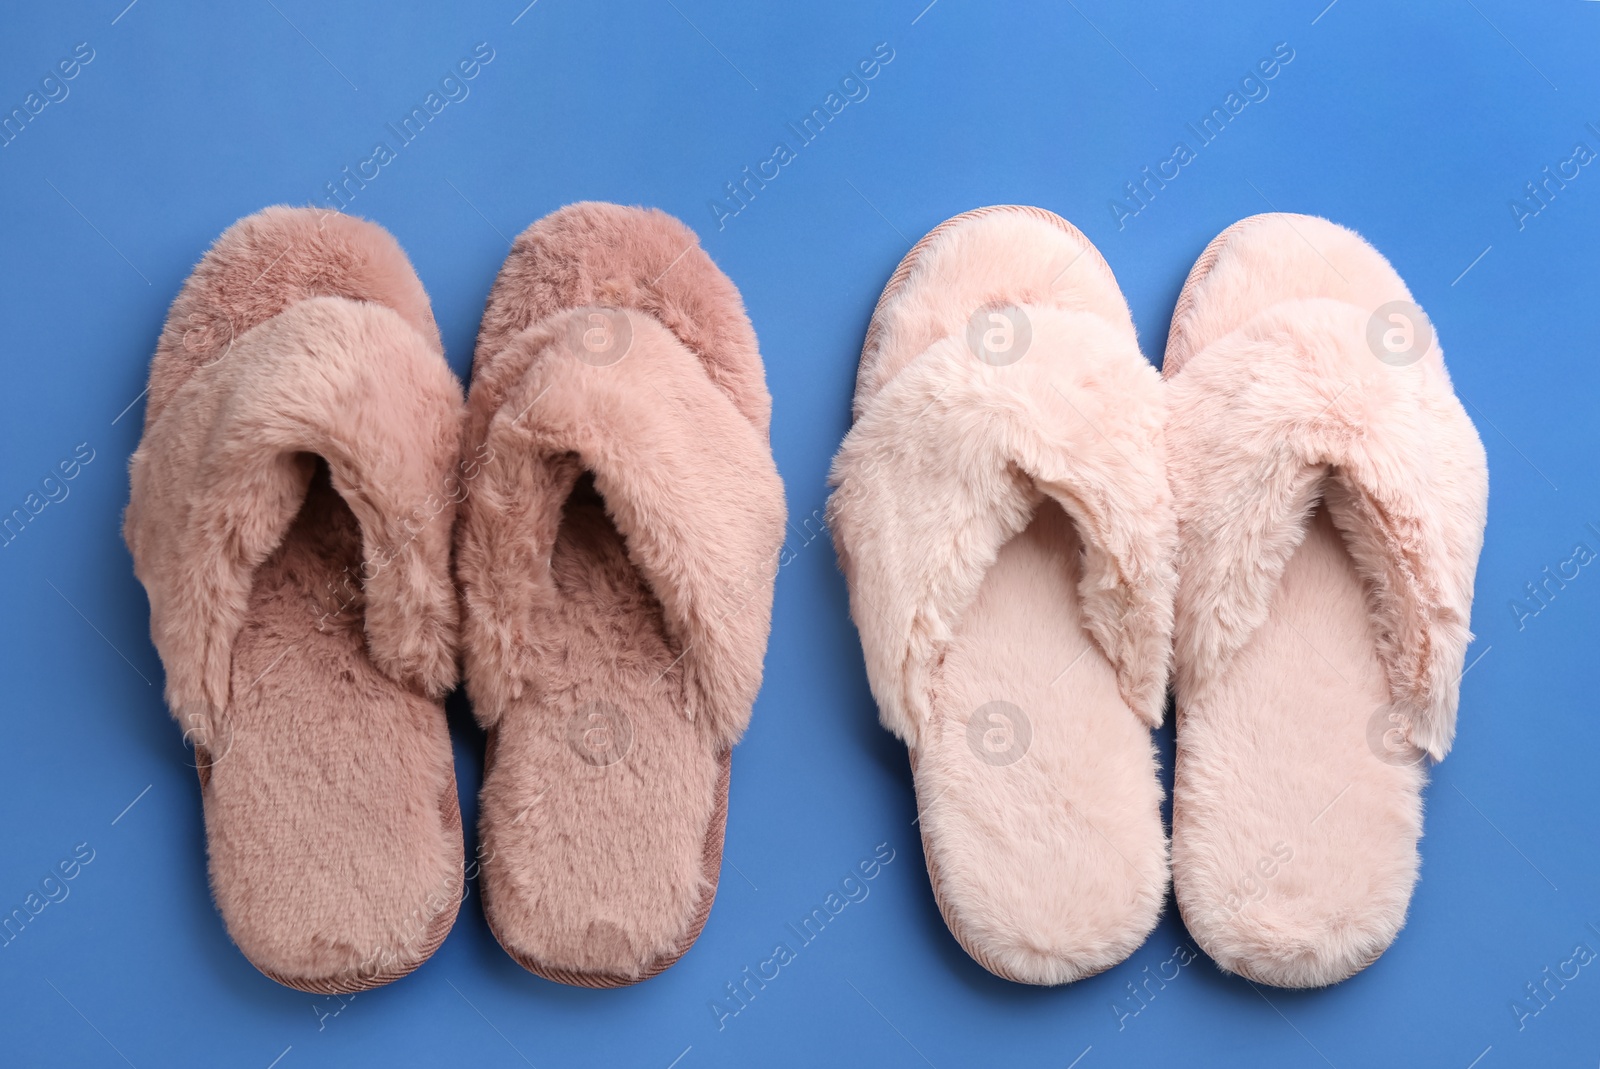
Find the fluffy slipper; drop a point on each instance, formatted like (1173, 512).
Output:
(1331, 496)
(616, 557)
(290, 520)
(1003, 520)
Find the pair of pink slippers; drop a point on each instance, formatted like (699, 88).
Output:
(327, 530)
(1038, 528)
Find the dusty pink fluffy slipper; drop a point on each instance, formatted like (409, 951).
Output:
(290, 519)
(616, 556)
(1331, 496)
(1003, 520)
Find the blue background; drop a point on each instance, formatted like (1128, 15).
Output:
(1416, 127)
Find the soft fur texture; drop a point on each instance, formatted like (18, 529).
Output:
(290, 519)
(619, 545)
(1293, 392)
(1331, 509)
(952, 459)
(1002, 527)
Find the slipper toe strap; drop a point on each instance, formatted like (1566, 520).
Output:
(949, 460)
(1295, 405)
(221, 474)
(687, 480)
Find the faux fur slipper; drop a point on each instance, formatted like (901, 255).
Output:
(1331, 497)
(1003, 519)
(616, 557)
(290, 519)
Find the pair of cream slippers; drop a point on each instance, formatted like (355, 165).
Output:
(1038, 529)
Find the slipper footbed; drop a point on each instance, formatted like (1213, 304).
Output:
(1038, 796)
(335, 835)
(600, 797)
(1043, 836)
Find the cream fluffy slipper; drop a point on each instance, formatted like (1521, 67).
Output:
(293, 498)
(1331, 496)
(616, 556)
(1003, 520)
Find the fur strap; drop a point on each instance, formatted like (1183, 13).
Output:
(1295, 407)
(950, 459)
(221, 473)
(687, 479)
